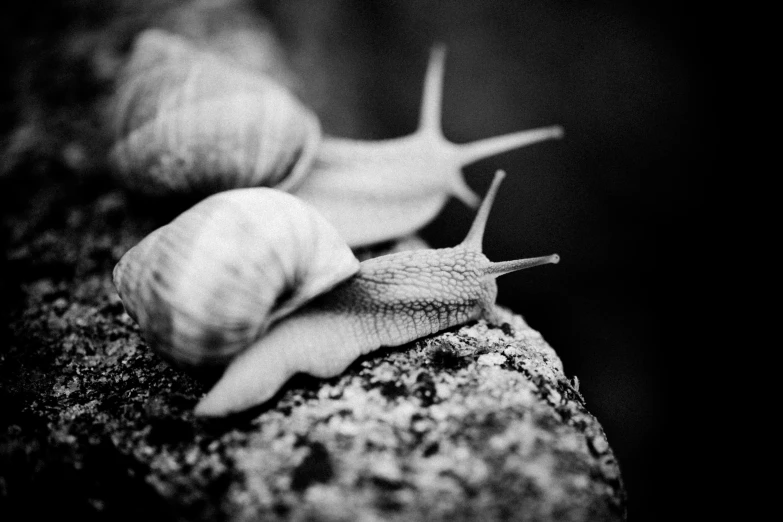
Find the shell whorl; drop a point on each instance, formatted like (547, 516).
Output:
(213, 280)
(192, 122)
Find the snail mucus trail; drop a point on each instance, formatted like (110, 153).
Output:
(188, 120)
(390, 301)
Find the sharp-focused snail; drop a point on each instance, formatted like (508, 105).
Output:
(189, 121)
(192, 284)
(210, 282)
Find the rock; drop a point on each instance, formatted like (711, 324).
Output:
(476, 423)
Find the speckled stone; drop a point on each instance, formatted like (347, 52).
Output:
(476, 423)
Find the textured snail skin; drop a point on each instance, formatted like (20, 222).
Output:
(391, 301)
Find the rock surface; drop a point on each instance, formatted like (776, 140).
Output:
(477, 423)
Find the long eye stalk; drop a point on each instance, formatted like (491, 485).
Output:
(504, 267)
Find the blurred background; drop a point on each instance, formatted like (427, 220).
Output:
(617, 198)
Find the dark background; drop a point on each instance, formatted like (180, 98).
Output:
(619, 198)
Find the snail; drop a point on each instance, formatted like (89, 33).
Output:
(188, 121)
(231, 28)
(191, 286)
(211, 281)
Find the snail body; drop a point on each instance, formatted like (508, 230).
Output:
(390, 301)
(188, 121)
(374, 191)
(213, 280)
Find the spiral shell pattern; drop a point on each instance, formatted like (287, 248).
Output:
(190, 121)
(213, 280)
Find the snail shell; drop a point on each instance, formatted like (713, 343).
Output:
(213, 280)
(192, 122)
(232, 28)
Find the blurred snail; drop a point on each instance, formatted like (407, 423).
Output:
(231, 28)
(191, 122)
(214, 286)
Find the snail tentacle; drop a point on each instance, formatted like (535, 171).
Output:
(401, 184)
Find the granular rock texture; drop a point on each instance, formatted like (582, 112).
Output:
(477, 423)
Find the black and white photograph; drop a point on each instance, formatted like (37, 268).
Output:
(351, 260)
